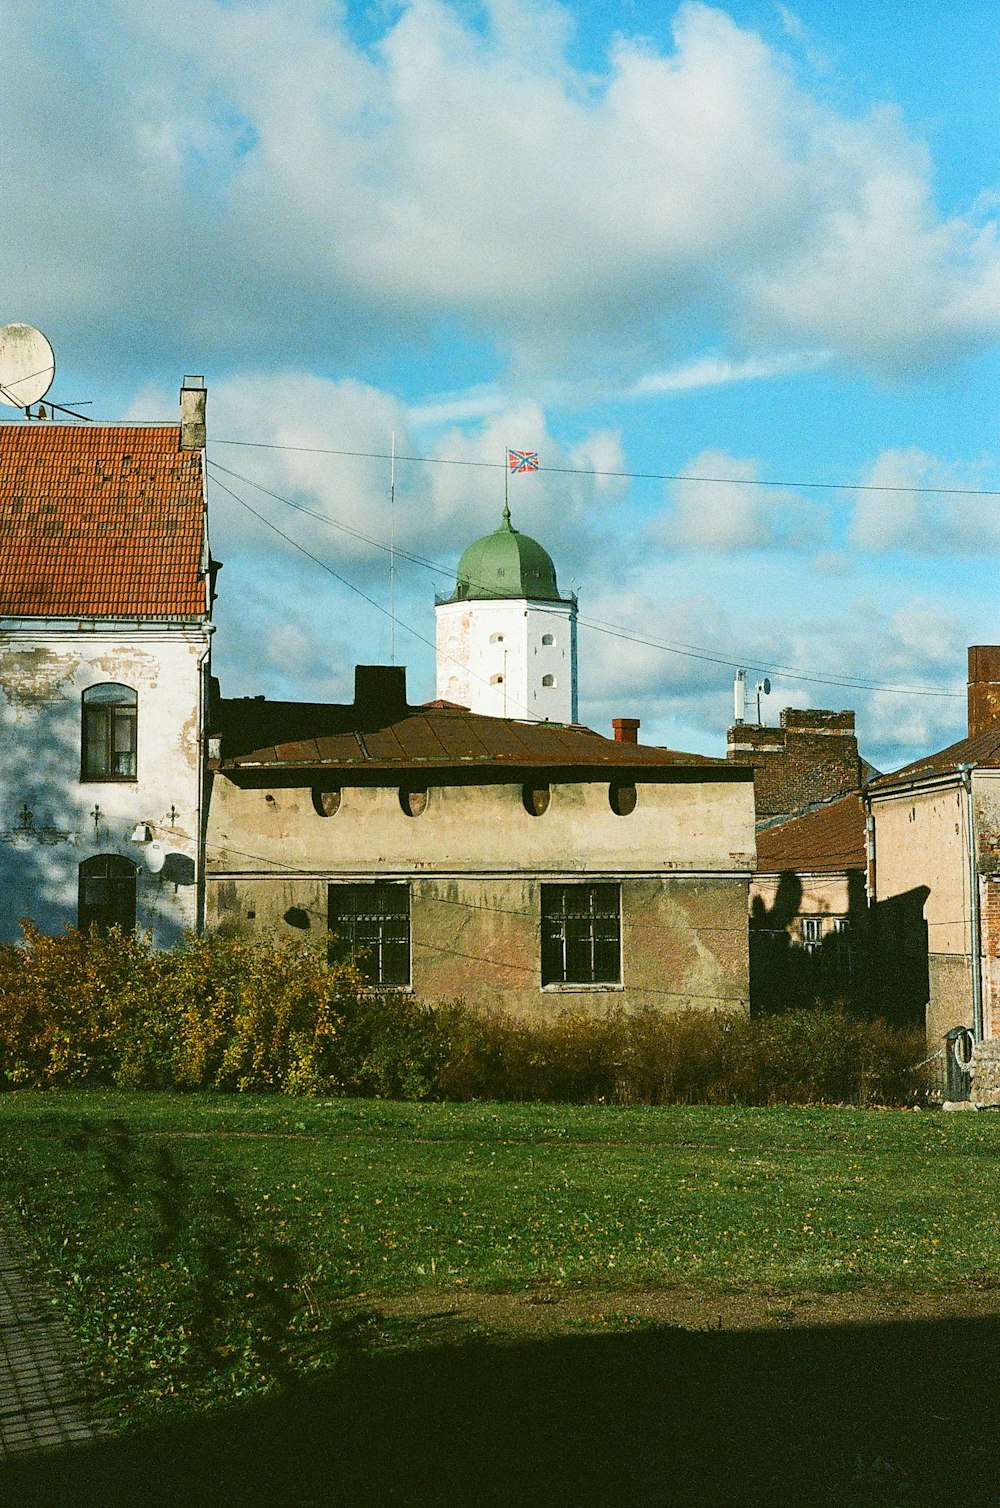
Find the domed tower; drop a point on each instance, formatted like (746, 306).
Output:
(506, 640)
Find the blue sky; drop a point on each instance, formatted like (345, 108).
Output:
(749, 243)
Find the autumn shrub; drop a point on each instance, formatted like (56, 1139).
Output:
(241, 1014)
(690, 1057)
(214, 1013)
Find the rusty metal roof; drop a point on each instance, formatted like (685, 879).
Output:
(100, 521)
(827, 840)
(983, 751)
(257, 734)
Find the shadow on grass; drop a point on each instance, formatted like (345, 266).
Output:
(881, 1415)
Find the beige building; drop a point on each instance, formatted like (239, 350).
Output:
(809, 908)
(934, 869)
(536, 866)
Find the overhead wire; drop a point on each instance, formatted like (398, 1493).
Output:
(603, 626)
(632, 476)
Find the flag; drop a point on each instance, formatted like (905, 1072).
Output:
(522, 460)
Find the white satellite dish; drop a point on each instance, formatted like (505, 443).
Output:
(27, 365)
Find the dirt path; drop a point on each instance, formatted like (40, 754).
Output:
(552, 1311)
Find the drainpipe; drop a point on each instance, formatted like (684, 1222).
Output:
(201, 816)
(975, 939)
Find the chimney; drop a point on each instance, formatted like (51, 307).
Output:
(193, 397)
(984, 687)
(626, 730)
(380, 690)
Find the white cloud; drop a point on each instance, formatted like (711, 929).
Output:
(900, 513)
(283, 193)
(718, 504)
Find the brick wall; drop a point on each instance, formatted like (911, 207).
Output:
(990, 942)
(812, 757)
(984, 687)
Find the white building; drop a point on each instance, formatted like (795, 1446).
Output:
(506, 639)
(105, 600)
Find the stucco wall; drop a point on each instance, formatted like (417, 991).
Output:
(478, 641)
(679, 824)
(48, 824)
(684, 938)
(476, 860)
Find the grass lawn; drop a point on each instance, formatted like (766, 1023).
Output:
(207, 1247)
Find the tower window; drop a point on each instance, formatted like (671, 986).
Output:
(496, 680)
(109, 733)
(548, 680)
(547, 639)
(496, 638)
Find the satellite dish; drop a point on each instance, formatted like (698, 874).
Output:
(27, 365)
(767, 686)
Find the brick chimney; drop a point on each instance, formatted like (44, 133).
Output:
(193, 398)
(380, 690)
(811, 758)
(984, 687)
(626, 730)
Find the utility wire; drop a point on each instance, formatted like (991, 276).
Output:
(612, 630)
(342, 579)
(633, 476)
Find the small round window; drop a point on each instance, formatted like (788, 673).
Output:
(496, 638)
(547, 639)
(536, 799)
(326, 803)
(413, 799)
(496, 680)
(622, 799)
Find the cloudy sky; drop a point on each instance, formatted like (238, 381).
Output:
(733, 271)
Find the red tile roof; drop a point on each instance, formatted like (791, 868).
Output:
(257, 734)
(100, 521)
(827, 840)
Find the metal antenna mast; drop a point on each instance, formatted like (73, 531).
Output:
(392, 553)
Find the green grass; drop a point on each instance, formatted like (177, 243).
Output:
(201, 1244)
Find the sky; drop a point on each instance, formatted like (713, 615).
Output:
(732, 270)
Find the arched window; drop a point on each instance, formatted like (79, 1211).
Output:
(107, 894)
(108, 743)
(496, 638)
(548, 639)
(548, 680)
(496, 680)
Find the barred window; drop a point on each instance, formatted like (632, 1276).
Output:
(371, 924)
(581, 934)
(107, 894)
(109, 733)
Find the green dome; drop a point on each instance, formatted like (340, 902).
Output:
(506, 563)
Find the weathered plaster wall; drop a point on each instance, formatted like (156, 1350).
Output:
(476, 860)
(684, 938)
(478, 641)
(823, 895)
(48, 824)
(677, 824)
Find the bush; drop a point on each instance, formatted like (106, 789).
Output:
(228, 1013)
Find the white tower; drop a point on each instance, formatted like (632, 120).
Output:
(506, 640)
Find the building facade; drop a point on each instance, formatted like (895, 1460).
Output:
(934, 868)
(105, 598)
(505, 638)
(537, 868)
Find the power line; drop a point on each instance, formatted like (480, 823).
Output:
(336, 574)
(612, 630)
(632, 476)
